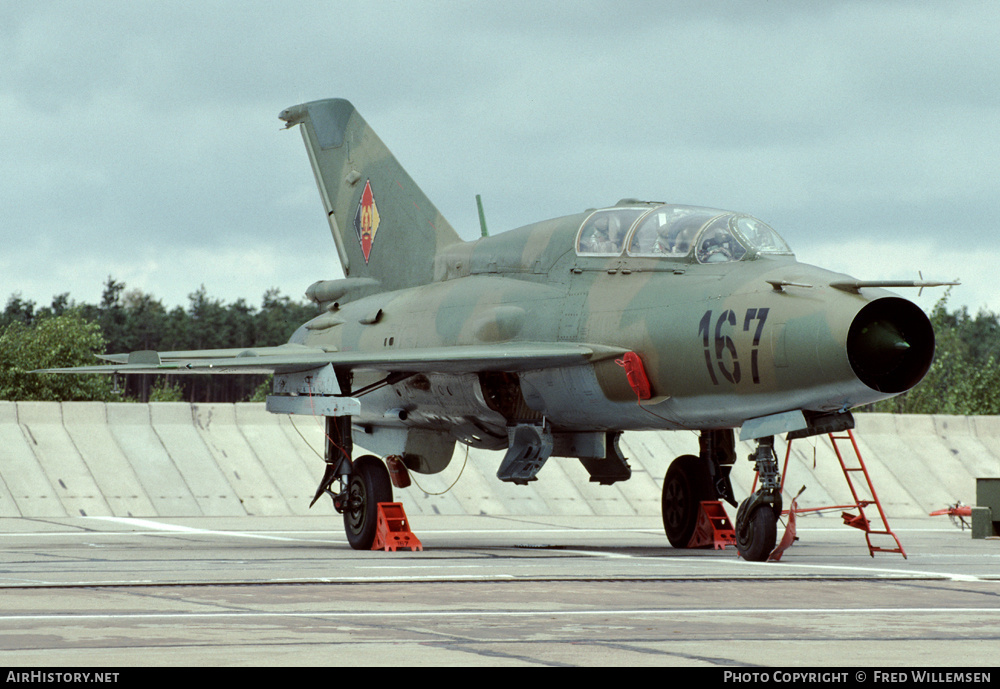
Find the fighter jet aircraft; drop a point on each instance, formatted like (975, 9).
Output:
(553, 339)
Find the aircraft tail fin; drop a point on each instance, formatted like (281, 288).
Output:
(384, 227)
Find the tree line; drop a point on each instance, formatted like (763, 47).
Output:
(67, 334)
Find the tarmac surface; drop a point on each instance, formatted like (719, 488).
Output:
(113, 592)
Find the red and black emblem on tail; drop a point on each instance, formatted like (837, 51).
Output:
(366, 220)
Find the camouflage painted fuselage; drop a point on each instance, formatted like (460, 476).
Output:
(721, 343)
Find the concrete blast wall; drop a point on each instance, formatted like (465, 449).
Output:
(179, 459)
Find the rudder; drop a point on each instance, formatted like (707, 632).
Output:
(382, 223)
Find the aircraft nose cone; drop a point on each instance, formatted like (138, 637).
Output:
(890, 345)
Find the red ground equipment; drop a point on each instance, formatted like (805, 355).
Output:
(713, 530)
(393, 530)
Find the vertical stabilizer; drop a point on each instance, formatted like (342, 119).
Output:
(383, 225)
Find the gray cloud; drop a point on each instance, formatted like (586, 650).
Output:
(140, 138)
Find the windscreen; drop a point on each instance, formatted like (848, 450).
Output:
(713, 235)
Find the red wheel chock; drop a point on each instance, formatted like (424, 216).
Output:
(714, 530)
(393, 529)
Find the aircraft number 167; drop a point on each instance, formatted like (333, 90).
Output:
(717, 342)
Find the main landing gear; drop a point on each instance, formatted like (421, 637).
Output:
(363, 484)
(691, 479)
(368, 485)
(684, 487)
(362, 488)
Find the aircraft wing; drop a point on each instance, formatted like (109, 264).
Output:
(292, 358)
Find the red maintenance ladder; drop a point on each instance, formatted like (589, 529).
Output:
(858, 521)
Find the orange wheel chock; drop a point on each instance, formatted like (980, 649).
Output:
(713, 530)
(393, 529)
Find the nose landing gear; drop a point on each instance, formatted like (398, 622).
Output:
(757, 517)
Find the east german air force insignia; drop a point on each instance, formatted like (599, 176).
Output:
(366, 220)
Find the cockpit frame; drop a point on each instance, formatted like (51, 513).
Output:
(680, 233)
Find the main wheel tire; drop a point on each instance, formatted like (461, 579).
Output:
(368, 486)
(686, 484)
(755, 542)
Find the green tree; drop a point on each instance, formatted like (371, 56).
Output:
(279, 317)
(165, 391)
(112, 314)
(17, 310)
(51, 342)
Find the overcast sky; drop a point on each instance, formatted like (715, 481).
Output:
(140, 140)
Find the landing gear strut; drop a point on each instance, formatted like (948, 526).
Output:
(757, 517)
(363, 484)
(362, 488)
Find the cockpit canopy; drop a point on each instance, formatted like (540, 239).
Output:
(712, 236)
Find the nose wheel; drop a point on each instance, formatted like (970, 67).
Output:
(756, 530)
(757, 517)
